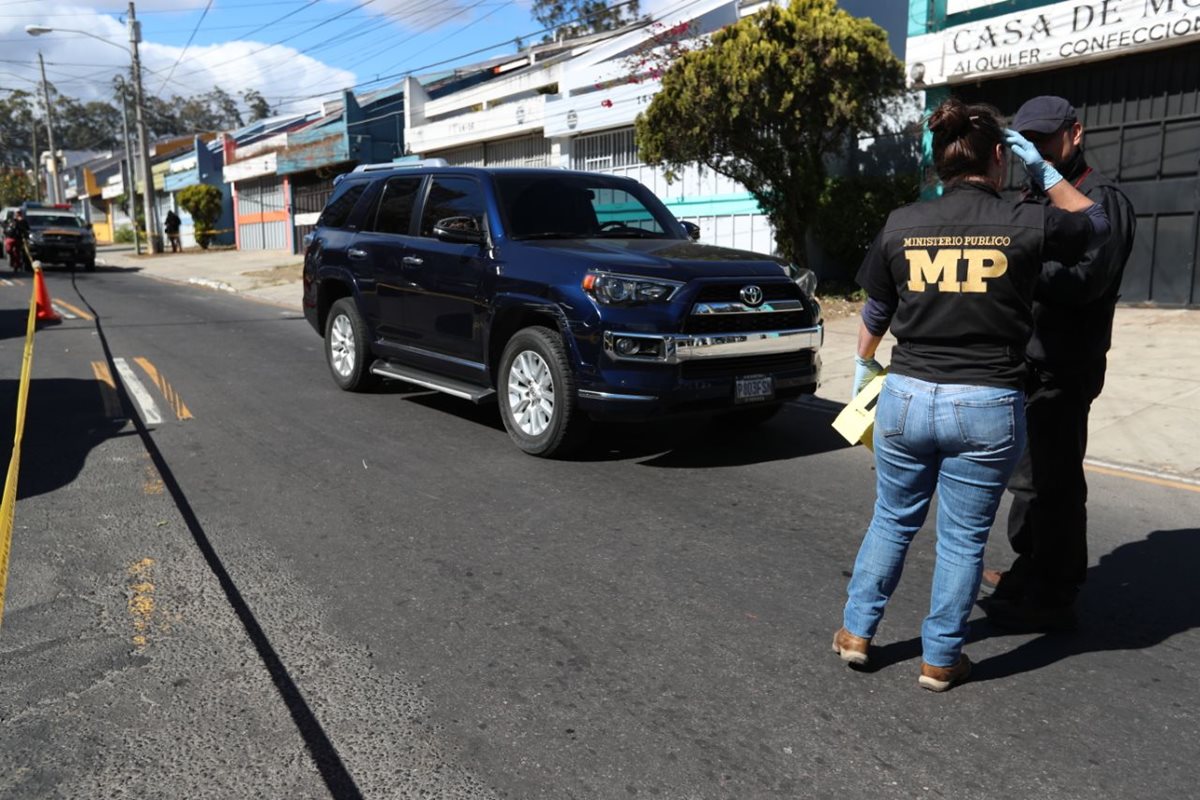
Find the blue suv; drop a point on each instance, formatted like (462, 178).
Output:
(565, 296)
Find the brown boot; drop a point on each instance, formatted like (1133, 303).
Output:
(939, 679)
(851, 648)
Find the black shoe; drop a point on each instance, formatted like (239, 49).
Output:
(1025, 617)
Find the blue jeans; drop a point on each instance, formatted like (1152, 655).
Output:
(963, 441)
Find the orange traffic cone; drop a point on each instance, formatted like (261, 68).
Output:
(45, 311)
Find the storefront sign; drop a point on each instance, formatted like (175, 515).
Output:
(250, 168)
(1051, 35)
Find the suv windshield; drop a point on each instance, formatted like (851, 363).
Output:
(577, 206)
(52, 221)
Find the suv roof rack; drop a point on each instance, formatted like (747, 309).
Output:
(424, 162)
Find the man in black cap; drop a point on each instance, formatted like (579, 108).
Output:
(1047, 525)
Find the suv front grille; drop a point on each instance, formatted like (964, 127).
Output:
(746, 323)
(730, 292)
(713, 368)
(773, 291)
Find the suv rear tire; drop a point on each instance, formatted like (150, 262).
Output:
(536, 390)
(346, 349)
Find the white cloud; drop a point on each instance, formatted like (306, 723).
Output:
(81, 67)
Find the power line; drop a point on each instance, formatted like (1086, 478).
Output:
(460, 56)
(320, 24)
(183, 52)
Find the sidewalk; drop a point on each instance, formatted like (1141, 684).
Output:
(1143, 419)
(272, 276)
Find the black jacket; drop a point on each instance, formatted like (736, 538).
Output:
(1073, 305)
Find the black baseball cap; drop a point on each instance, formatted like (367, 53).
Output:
(1044, 114)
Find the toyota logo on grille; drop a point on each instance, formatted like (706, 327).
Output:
(752, 295)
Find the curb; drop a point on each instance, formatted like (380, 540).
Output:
(1160, 477)
(212, 284)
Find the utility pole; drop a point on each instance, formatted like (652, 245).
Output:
(153, 241)
(52, 178)
(130, 187)
(37, 184)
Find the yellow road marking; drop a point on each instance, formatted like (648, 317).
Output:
(173, 399)
(141, 600)
(1133, 476)
(108, 390)
(79, 312)
(8, 504)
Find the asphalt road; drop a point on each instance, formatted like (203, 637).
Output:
(285, 591)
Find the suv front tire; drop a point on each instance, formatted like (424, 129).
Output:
(537, 394)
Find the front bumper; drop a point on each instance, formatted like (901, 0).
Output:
(694, 373)
(678, 347)
(62, 253)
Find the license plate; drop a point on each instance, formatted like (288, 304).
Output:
(753, 388)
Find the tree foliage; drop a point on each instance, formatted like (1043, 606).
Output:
(851, 211)
(257, 105)
(568, 18)
(203, 202)
(96, 124)
(15, 187)
(768, 100)
(16, 128)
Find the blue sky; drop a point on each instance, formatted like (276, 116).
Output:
(290, 50)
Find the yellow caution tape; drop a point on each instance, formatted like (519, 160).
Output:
(856, 423)
(9, 503)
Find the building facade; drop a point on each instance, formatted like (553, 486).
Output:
(1131, 68)
(574, 105)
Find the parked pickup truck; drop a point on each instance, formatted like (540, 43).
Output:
(565, 296)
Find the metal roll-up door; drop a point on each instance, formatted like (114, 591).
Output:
(1141, 116)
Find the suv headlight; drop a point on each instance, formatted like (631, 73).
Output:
(806, 279)
(623, 290)
(36, 237)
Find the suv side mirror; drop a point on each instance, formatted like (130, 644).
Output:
(693, 230)
(464, 230)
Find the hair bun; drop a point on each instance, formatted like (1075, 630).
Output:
(951, 118)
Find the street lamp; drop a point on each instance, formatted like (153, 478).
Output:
(135, 36)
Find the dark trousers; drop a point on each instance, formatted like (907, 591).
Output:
(1047, 524)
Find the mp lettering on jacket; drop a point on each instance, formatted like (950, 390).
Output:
(954, 263)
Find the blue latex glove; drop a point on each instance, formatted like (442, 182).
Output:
(1040, 171)
(864, 370)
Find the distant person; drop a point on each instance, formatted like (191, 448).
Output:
(171, 226)
(16, 235)
(953, 278)
(1067, 356)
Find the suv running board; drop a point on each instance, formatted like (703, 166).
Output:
(439, 383)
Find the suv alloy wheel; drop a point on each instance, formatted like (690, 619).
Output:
(346, 348)
(536, 390)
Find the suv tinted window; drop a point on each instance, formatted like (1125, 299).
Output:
(396, 207)
(453, 197)
(341, 204)
(549, 206)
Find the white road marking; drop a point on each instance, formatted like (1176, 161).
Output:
(63, 312)
(137, 389)
(6, 282)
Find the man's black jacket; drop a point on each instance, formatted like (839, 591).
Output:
(1073, 305)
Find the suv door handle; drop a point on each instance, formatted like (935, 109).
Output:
(412, 261)
(356, 253)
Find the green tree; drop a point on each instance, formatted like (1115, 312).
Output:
(16, 126)
(15, 187)
(768, 100)
(203, 202)
(570, 18)
(257, 104)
